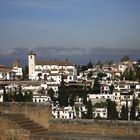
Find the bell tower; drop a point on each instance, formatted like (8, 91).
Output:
(31, 65)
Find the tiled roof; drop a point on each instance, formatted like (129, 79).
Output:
(55, 62)
(2, 66)
(5, 70)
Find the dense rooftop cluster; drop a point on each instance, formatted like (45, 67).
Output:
(106, 90)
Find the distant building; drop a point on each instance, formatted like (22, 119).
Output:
(5, 73)
(100, 113)
(16, 68)
(63, 113)
(51, 70)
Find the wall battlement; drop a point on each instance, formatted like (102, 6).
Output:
(41, 113)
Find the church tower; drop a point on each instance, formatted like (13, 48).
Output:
(31, 65)
(16, 63)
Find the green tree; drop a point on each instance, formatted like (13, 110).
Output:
(90, 65)
(111, 89)
(83, 68)
(51, 93)
(112, 113)
(135, 103)
(96, 86)
(89, 110)
(28, 97)
(90, 74)
(124, 112)
(62, 94)
(85, 96)
(25, 73)
(129, 74)
(5, 95)
(19, 95)
(101, 75)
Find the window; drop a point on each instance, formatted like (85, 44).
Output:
(31, 56)
(69, 115)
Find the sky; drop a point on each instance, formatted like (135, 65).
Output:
(80, 30)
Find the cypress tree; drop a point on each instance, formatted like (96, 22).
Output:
(62, 94)
(5, 95)
(85, 96)
(89, 110)
(51, 93)
(20, 95)
(112, 113)
(133, 110)
(123, 112)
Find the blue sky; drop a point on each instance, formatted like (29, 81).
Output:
(81, 30)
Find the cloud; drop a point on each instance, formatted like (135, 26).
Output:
(60, 50)
(76, 54)
(6, 52)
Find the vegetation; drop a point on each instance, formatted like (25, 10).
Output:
(101, 75)
(96, 86)
(112, 113)
(89, 110)
(51, 93)
(25, 73)
(63, 94)
(111, 89)
(124, 112)
(17, 96)
(133, 109)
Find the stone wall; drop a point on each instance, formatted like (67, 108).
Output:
(9, 131)
(101, 127)
(38, 112)
(41, 113)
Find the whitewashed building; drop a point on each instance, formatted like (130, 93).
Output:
(63, 113)
(100, 113)
(51, 70)
(41, 98)
(5, 73)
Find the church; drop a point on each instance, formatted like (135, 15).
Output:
(51, 70)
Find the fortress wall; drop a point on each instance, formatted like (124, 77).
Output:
(101, 127)
(41, 113)
(38, 112)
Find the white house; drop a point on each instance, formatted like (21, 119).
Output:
(41, 98)
(51, 70)
(100, 112)
(63, 113)
(5, 72)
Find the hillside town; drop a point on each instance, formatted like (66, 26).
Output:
(109, 90)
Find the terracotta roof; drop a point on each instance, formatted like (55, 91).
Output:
(55, 62)
(5, 70)
(2, 66)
